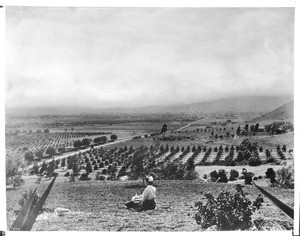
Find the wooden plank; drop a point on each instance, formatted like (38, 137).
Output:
(283, 207)
(19, 221)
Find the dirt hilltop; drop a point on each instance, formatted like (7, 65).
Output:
(99, 205)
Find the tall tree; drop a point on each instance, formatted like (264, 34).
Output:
(51, 151)
(164, 128)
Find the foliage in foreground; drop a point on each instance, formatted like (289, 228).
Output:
(14, 172)
(285, 177)
(228, 211)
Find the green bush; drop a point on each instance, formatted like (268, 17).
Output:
(233, 175)
(228, 211)
(254, 161)
(248, 177)
(222, 177)
(285, 177)
(84, 176)
(190, 175)
(214, 175)
(25, 196)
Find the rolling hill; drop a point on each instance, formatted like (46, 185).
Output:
(234, 104)
(284, 112)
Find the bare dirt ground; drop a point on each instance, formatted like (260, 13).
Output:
(99, 205)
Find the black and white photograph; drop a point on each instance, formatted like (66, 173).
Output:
(153, 119)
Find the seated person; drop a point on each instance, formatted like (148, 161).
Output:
(146, 201)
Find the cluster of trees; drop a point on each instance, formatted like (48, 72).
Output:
(17, 132)
(279, 127)
(248, 130)
(283, 177)
(273, 128)
(81, 143)
(29, 156)
(99, 140)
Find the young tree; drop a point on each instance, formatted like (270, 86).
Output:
(238, 131)
(284, 148)
(88, 167)
(51, 168)
(246, 127)
(63, 162)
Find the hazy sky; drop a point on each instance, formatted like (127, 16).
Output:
(104, 57)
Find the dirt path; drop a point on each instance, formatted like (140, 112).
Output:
(186, 126)
(56, 157)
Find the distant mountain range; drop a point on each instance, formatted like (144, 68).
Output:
(284, 112)
(235, 104)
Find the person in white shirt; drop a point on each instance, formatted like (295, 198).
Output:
(146, 201)
(149, 195)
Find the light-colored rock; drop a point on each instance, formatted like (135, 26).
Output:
(61, 211)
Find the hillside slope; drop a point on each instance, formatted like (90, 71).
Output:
(283, 112)
(99, 205)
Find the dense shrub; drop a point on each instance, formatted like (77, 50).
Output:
(284, 148)
(100, 177)
(233, 175)
(285, 177)
(222, 176)
(190, 175)
(67, 174)
(50, 151)
(29, 156)
(248, 177)
(84, 176)
(228, 211)
(219, 176)
(254, 161)
(213, 175)
(25, 196)
(104, 171)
